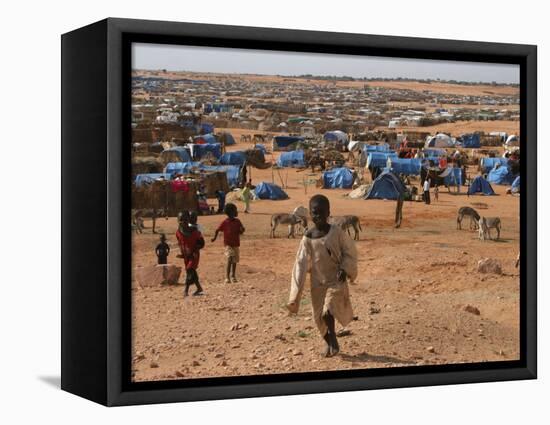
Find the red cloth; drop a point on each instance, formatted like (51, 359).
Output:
(231, 229)
(189, 249)
(180, 185)
(442, 162)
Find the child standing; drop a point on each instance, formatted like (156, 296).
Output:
(232, 228)
(331, 257)
(436, 193)
(162, 250)
(190, 241)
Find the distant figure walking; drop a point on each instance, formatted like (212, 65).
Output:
(427, 191)
(247, 195)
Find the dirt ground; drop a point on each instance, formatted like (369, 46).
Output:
(409, 299)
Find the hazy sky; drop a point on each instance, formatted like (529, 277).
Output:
(225, 60)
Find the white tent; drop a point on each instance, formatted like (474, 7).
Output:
(440, 140)
(512, 140)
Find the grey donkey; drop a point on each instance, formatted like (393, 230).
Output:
(138, 217)
(346, 222)
(290, 219)
(467, 212)
(485, 226)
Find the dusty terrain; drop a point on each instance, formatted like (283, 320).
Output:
(410, 297)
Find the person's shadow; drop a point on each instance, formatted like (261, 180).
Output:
(54, 381)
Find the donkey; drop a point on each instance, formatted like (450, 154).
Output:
(138, 217)
(470, 212)
(346, 222)
(290, 219)
(485, 226)
(302, 212)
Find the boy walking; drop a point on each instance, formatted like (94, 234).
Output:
(331, 257)
(232, 229)
(190, 241)
(162, 250)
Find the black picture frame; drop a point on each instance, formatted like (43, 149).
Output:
(95, 183)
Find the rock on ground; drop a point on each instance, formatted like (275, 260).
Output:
(489, 265)
(159, 274)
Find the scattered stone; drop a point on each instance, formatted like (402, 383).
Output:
(489, 265)
(472, 309)
(223, 363)
(374, 310)
(218, 355)
(179, 374)
(195, 363)
(259, 365)
(153, 364)
(297, 353)
(430, 349)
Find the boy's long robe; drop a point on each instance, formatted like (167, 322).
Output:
(323, 257)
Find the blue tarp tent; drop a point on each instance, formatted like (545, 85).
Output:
(285, 142)
(150, 178)
(291, 159)
(384, 147)
(173, 168)
(336, 136)
(205, 138)
(233, 158)
(515, 185)
(452, 176)
(200, 150)
(181, 152)
(500, 175)
(487, 164)
(480, 185)
(270, 191)
(207, 128)
(434, 153)
(233, 171)
(338, 178)
(407, 166)
(379, 159)
(260, 147)
(386, 186)
(227, 138)
(471, 140)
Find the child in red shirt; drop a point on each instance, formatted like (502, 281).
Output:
(190, 241)
(232, 229)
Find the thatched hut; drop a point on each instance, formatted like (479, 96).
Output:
(160, 195)
(146, 165)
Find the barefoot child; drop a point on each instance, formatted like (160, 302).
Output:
(162, 250)
(331, 257)
(232, 228)
(190, 241)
